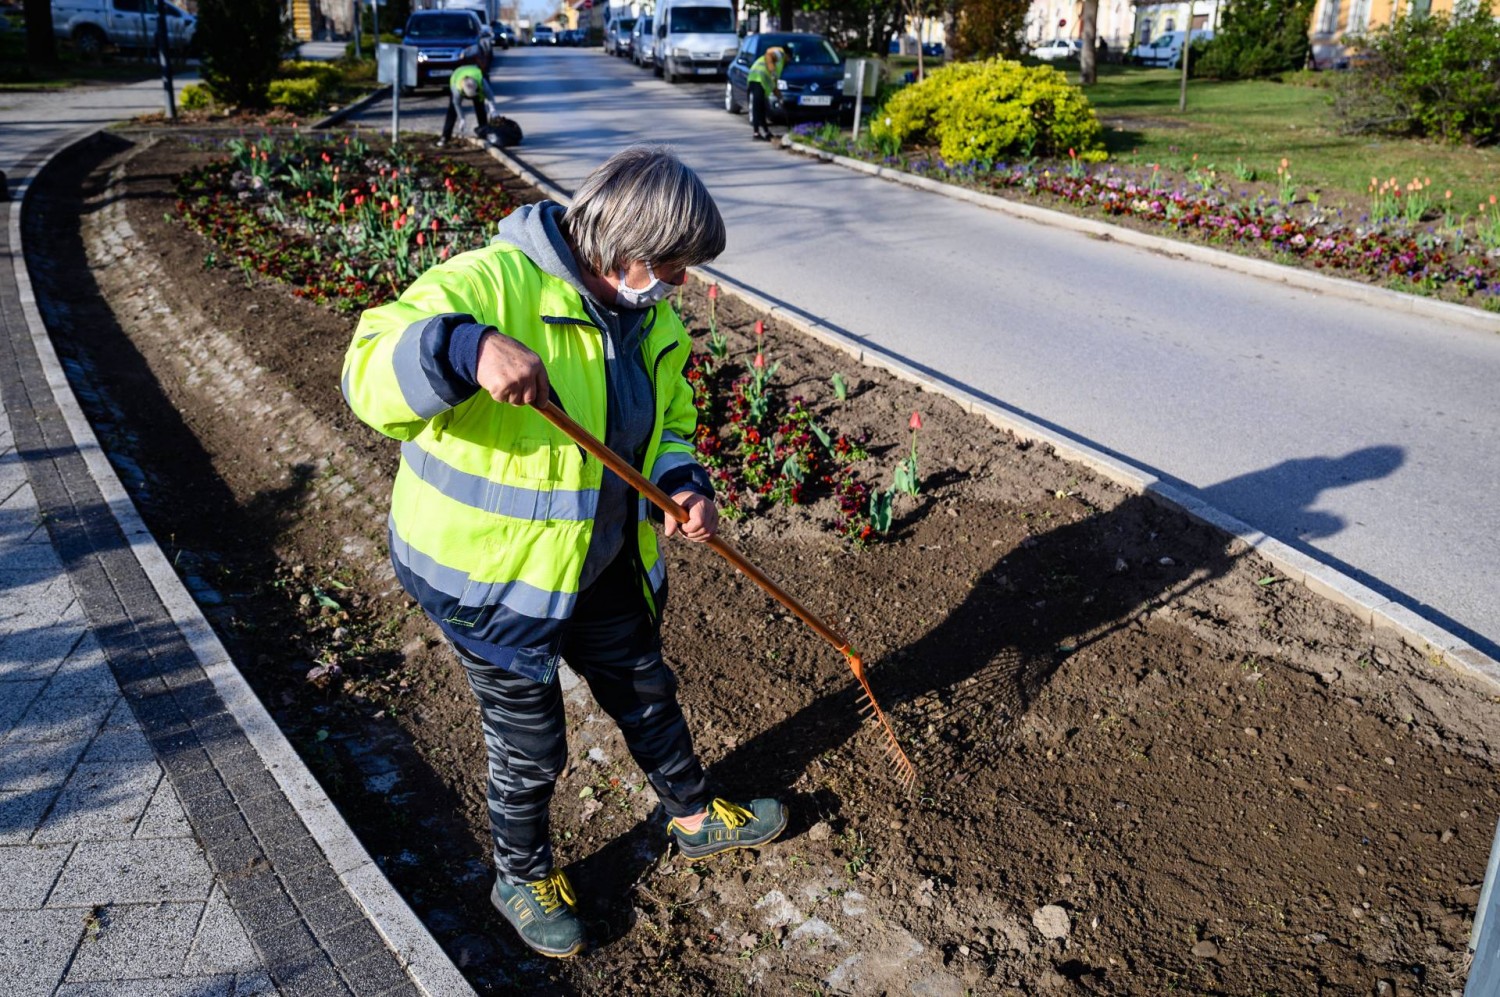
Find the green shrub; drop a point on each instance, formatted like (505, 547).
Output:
(1427, 75)
(328, 75)
(195, 97)
(989, 110)
(1256, 38)
(298, 96)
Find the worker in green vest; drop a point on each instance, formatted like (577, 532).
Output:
(467, 83)
(763, 76)
(524, 550)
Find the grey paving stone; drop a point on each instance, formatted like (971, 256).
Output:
(137, 940)
(164, 817)
(36, 949)
(176, 986)
(256, 984)
(221, 945)
(26, 766)
(309, 975)
(27, 562)
(19, 516)
(121, 716)
(375, 975)
(120, 744)
(101, 801)
(15, 698)
(358, 942)
(85, 672)
(32, 608)
(27, 873)
(329, 913)
(20, 813)
(70, 718)
(127, 872)
(33, 642)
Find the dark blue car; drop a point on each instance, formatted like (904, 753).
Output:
(811, 86)
(445, 40)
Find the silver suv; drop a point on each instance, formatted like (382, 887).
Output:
(92, 25)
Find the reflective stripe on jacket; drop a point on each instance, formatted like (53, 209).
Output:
(762, 74)
(492, 509)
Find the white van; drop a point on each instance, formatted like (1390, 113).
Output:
(693, 38)
(1166, 48)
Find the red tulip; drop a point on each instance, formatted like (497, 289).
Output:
(421, 238)
(760, 328)
(760, 361)
(915, 422)
(327, 158)
(713, 292)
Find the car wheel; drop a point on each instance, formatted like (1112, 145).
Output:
(730, 104)
(90, 42)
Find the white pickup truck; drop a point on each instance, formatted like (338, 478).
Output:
(92, 25)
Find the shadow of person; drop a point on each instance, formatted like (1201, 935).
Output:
(1289, 490)
(1024, 615)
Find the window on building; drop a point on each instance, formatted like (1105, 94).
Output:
(1329, 22)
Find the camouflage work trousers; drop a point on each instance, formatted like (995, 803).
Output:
(612, 642)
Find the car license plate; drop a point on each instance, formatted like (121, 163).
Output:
(438, 74)
(707, 69)
(824, 101)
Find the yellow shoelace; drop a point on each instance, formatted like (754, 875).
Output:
(732, 814)
(553, 892)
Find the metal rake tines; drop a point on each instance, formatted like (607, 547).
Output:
(906, 772)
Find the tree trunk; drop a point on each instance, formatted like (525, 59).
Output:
(1087, 70)
(921, 68)
(784, 15)
(41, 46)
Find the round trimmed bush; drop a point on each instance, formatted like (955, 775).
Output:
(993, 109)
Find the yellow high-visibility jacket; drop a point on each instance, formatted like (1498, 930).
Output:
(493, 508)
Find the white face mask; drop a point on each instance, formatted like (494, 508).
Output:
(630, 297)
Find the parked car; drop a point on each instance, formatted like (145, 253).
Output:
(811, 85)
(693, 38)
(543, 35)
(445, 40)
(1166, 48)
(640, 41)
(505, 35)
(1058, 48)
(93, 25)
(617, 35)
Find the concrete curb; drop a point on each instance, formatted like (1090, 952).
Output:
(1368, 605)
(351, 109)
(420, 954)
(1297, 277)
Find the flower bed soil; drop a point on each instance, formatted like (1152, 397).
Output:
(1221, 783)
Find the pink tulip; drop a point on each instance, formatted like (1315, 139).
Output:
(915, 422)
(713, 292)
(760, 362)
(760, 328)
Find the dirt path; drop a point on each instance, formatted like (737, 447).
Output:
(1147, 765)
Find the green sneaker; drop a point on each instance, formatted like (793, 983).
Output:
(729, 826)
(542, 914)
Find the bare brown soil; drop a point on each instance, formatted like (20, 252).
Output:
(1221, 783)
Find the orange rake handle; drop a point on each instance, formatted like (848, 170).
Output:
(555, 415)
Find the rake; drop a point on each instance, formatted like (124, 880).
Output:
(905, 772)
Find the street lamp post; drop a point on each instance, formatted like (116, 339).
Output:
(164, 59)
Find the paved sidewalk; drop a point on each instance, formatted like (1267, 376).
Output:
(103, 887)
(147, 849)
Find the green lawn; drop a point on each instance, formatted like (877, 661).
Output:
(1257, 123)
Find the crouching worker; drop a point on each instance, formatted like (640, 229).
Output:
(764, 73)
(467, 83)
(522, 549)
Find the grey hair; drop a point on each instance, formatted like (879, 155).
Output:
(644, 205)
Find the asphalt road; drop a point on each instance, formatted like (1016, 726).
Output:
(1364, 438)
